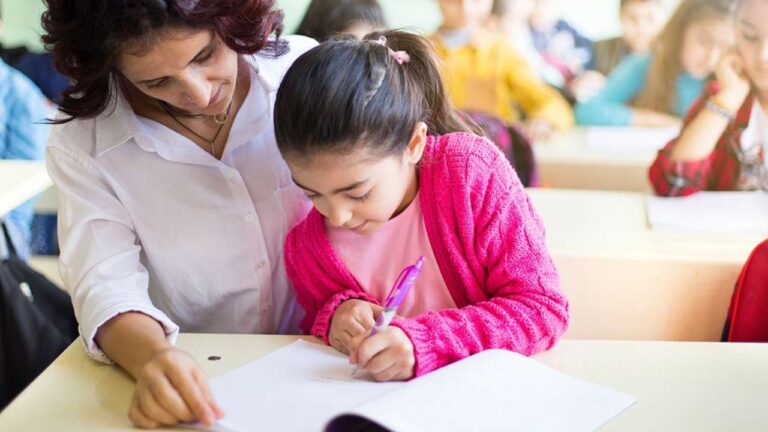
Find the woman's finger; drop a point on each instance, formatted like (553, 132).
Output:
(193, 396)
(152, 409)
(137, 416)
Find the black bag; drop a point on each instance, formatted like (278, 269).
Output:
(37, 323)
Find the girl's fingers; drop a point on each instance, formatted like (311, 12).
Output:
(369, 348)
(168, 397)
(393, 372)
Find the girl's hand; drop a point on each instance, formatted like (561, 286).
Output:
(387, 356)
(171, 388)
(586, 85)
(734, 83)
(350, 319)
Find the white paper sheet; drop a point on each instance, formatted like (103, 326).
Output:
(304, 386)
(628, 140)
(713, 212)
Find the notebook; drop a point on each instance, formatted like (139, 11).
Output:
(712, 212)
(628, 140)
(309, 387)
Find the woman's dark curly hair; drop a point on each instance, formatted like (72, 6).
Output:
(86, 37)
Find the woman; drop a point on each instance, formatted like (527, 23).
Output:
(656, 89)
(174, 200)
(725, 138)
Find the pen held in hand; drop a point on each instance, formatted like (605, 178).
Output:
(396, 296)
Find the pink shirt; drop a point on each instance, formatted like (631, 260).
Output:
(376, 261)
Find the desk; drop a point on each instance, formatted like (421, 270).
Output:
(566, 162)
(20, 181)
(679, 386)
(626, 281)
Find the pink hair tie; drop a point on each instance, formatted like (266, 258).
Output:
(398, 56)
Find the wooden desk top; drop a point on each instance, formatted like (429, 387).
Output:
(679, 386)
(614, 225)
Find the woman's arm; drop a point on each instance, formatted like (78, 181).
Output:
(101, 268)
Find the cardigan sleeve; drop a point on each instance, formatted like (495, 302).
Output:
(525, 310)
(320, 284)
(609, 107)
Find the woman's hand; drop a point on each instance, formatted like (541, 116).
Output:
(733, 80)
(171, 388)
(387, 355)
(350, 319)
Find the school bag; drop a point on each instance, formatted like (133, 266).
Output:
(747, 319)
(511, 141)
(37, 322)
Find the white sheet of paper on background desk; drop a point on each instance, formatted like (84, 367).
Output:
(304, 386)
(712, 212)
(628, 140)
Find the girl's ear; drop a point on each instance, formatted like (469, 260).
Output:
(416, 145)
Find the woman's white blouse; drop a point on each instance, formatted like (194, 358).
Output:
(150, 222)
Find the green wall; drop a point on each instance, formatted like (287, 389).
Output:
(596, 18)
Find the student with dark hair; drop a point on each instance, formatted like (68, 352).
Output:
(326, 18)
(394, 175)
(724, 142)
(22, 137)
(640, 21)
(174, 202)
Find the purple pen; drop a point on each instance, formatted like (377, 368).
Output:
(396, 296)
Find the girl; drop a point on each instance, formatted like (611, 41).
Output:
(369, 135)
(723, 143)
(326, 18)
(657, 89)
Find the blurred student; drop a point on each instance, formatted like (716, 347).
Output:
(641, 21)
(724, 140)
(485, 73)
(326, 18)
(22, 137)
(657, 89)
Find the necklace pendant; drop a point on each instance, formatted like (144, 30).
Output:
(220, 118)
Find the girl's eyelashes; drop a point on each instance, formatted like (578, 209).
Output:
(749, 37)
(311, 197)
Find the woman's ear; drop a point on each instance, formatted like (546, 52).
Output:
(415, 149)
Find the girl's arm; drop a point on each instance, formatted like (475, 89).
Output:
(609, 107)
(684, 166)
(525, 311)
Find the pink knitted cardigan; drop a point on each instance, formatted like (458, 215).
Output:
(489, 246)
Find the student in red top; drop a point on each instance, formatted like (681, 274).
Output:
(723, 142)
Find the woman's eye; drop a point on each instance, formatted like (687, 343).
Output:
(206, 57)
(157, 84)
(362, 197)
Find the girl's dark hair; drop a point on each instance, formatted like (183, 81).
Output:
(326, 18)
(86, 37)
(346, 93)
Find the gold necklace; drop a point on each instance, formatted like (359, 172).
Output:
(221, 121)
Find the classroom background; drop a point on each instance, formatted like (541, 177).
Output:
(597, 19)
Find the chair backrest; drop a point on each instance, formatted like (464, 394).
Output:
(747, 319)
